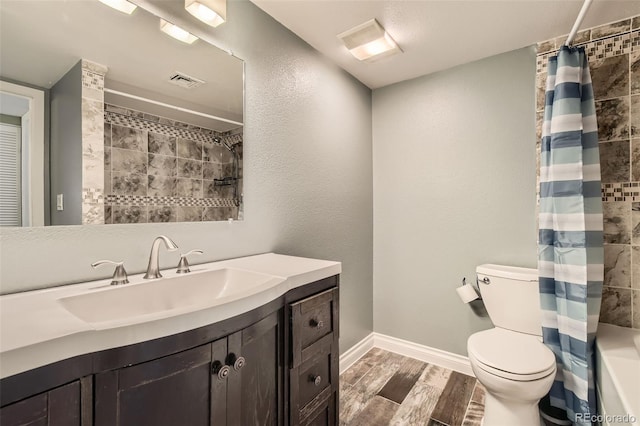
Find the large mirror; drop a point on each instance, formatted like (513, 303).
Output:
(106, 119)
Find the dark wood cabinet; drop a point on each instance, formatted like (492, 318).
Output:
(232, 381)
(177, 387)
(60, 406)
(314, 372)
(274, 365)
(254, 395)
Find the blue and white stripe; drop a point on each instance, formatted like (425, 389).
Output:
(570, 261)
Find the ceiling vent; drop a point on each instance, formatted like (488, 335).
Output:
(184, 80)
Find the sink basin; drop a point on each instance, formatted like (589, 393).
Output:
(168, 296)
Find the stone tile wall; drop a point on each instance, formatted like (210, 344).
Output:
(614, 58)
(92, 149)
(160, 170)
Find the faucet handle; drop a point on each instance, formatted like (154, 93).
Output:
(119, 275)
(183, 265)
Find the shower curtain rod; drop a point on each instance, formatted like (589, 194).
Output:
(162, 104)
(576, 25)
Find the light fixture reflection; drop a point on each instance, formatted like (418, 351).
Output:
(121, 5)
(177, 32)
(211, 12)
(369, 42)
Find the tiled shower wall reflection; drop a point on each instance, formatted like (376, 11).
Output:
(160, 170)
(614, 59)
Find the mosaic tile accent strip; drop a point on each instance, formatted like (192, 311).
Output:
(232, 139)
(162, 120)
(139, 200)
(165, 121)
(92, 196)
(156, 127)
(619, 44)
(610, 46)
(91, 80)
(626, 191)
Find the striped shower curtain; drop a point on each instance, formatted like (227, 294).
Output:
(570, 259)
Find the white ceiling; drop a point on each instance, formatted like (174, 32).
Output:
(436, 34)
(13, 105)
(41, 40)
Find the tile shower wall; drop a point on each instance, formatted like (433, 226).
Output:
(92, 170)
(160, 170)
(614, 59)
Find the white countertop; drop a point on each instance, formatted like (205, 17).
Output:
(36, 330)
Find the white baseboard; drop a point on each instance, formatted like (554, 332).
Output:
(424, 353)
(356, 352)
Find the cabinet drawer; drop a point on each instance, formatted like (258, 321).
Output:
(312, 319)
(323, 414)
(314, 376)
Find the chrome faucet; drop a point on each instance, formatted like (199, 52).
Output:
(153, 270)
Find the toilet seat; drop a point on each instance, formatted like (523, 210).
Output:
(511, 355)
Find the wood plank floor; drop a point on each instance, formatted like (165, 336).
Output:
(383, 388)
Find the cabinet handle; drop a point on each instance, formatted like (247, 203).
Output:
(222, 371)
(314, 323)
(240, 362)
(315, 379)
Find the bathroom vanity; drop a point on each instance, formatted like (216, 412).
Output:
(264, 356)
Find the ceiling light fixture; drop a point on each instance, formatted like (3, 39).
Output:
(369, 41)
(177, 32)
(121, 5)
(211, 12)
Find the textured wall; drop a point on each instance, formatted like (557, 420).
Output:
(614, 60)
(454, 187)
(307, 181)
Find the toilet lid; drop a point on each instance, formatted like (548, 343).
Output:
(511, 352)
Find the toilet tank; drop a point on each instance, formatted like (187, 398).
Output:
(511, 297)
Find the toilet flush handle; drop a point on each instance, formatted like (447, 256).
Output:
(485, 280)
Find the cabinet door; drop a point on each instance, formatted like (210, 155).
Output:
(57, 407)
(254, 396)
(170, 391)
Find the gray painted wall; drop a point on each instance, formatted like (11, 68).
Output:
(66, 147)
(308, 181)
(454, 186)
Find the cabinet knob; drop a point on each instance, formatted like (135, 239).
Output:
(222, 371)
(240, 362)
(315, 379)
(314, 323)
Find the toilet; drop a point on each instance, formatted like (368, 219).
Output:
(510, 360)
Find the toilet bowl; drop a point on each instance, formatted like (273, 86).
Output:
(517, 370)
(510, 360)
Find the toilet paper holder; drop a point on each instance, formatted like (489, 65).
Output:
(467, 293)
(485, 280)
